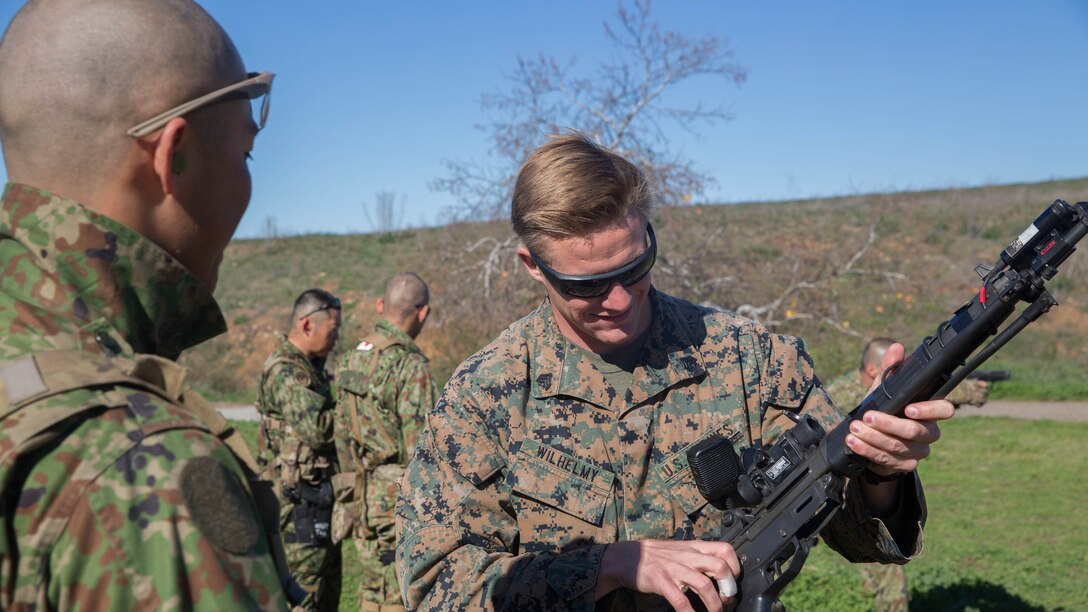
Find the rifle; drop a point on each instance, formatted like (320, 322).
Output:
(778, 498)
(989, 375)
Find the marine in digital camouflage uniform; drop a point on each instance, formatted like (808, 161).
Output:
(385, 389)
(296, 440)
(888, 583)
(553, 473)
(120, 488)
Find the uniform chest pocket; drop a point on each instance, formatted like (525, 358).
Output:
(699, 519)
(561, 500)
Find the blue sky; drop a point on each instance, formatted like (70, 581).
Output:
(841, 97)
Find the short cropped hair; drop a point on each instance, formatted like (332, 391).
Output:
(873, 353)
(572, 186)
(405, 294)
(309, 302)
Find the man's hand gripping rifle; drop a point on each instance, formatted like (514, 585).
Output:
(778, 498)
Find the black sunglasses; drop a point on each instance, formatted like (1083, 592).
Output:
(596, 285)
(334, 304)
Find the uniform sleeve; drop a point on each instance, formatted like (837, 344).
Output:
(970, 392)
(342, 417)
(169, 526)
(457, 535)
(789, 385)
(415, 398)
(304, 410)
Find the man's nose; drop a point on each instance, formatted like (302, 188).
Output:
(617, 297)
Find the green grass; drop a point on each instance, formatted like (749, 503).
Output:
(1007, 529)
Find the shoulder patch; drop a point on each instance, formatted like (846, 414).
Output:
(22, 380)
(301, 378)
(364, 346)
(217, 503)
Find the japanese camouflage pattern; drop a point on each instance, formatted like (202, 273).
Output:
(130, 501)
(848, 391)
(295, 402)
(531, 463)
(886, 583)
(385, 389)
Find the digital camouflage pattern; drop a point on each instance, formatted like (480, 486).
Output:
(132, 503)
(296, 406)
(385, 389)
(531, 463)
(848, 391)
(886, 583)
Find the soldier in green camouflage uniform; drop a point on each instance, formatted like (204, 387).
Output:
(553, 473)
(849, 389)
(121, 488)
(385, 389)
(296, 443)
(888, 583)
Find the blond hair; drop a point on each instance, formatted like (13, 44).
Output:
(572, 186)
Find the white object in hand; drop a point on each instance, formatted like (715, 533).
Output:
(727, 587)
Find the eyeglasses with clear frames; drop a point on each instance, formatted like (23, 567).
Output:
(256, 85)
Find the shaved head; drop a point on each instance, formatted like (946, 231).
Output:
(404, 294)
(75, 75)
(873, 353)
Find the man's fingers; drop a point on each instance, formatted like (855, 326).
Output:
(908, 430)
(719, 551)
(932, 410)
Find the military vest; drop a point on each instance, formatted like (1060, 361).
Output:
(283, 458)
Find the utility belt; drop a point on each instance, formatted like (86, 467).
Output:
(311, 514)
(306, 480)
(365, 502)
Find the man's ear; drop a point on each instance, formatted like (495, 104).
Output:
(873, 371)
(307, 326)
(168, 160)
(423, 312)
(530, 265)
(379, 305)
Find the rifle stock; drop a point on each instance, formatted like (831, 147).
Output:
(778, 498)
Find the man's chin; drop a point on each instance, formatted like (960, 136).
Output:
(615, 337)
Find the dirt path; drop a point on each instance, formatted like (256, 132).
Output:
(1020, 409)
(1057, 411)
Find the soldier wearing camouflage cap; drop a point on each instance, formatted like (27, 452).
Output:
(296, 444)
(888, 583)
(552, 474)
(125, 125)
(385, 389)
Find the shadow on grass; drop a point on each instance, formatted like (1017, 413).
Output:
(973, 595)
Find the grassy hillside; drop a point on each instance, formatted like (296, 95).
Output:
(804, 263)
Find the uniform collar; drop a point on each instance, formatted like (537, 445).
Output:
(387, 328)
(104, 278)
(669, 357)
(289, 350)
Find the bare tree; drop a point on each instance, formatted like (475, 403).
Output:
(270, 230)
(623, 104)
(388, 213)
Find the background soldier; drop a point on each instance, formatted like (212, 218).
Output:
(888, 583)
(552, 472)
(385, 389)
(849, 389)
(125, 126)
(296, 437)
